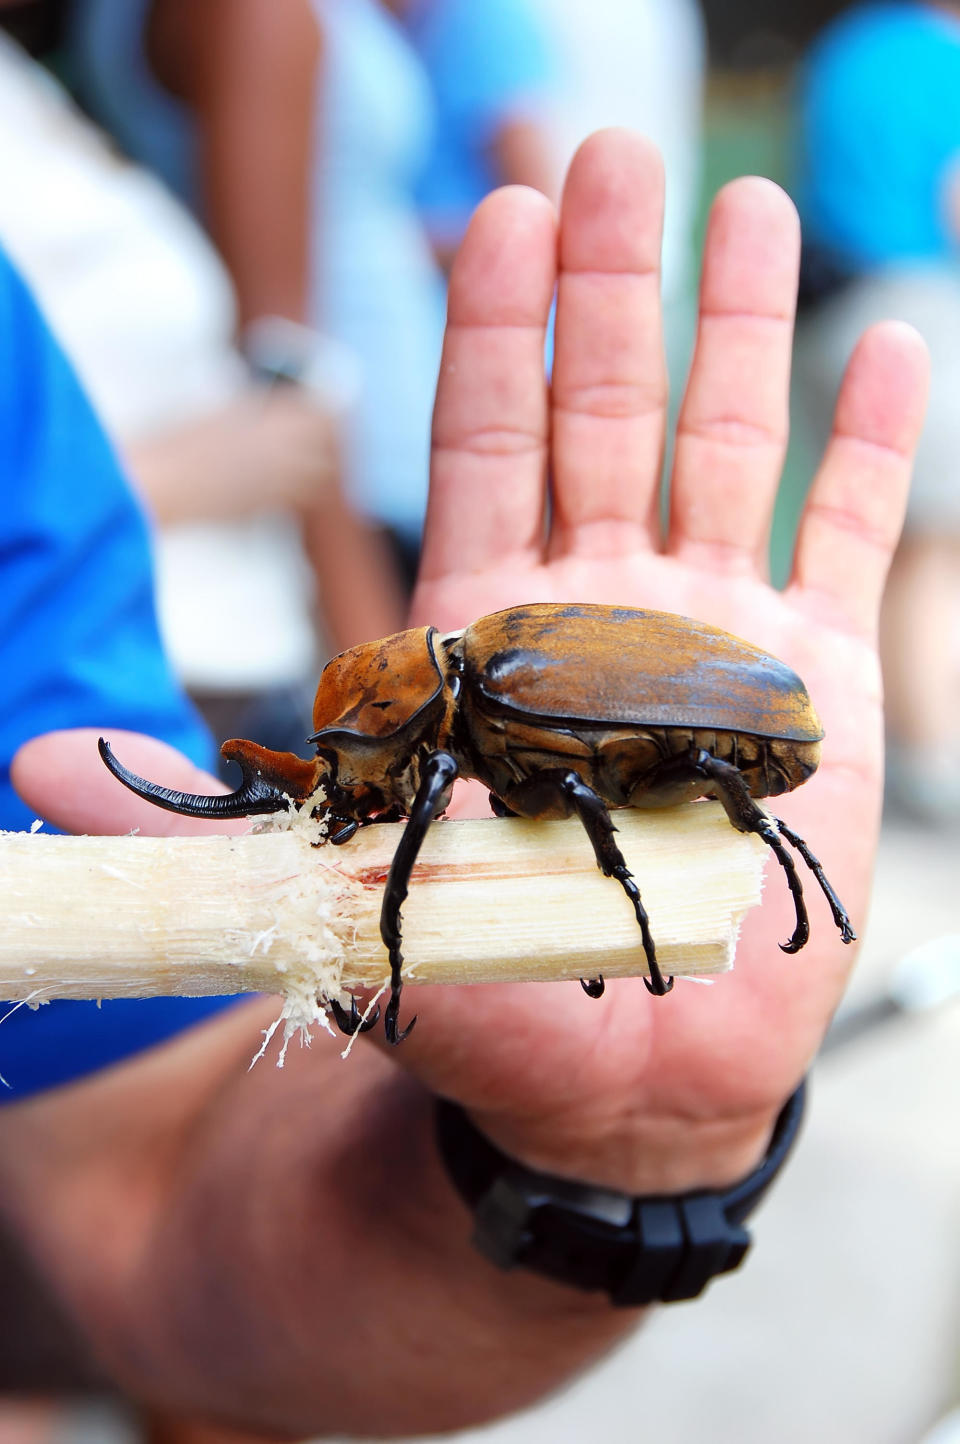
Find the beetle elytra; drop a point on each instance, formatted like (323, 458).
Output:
(557, 710)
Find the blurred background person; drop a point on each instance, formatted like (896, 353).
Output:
(298, 133)
(259, 555)
(641, 64)
(878, 186)
(867, 1142)
(79, 646)
(493, 74)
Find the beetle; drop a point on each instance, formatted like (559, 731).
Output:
(558, 710)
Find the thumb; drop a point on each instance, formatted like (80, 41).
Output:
(61, 777)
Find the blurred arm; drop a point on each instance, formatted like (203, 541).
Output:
(248, 69)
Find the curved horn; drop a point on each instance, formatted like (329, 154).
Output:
(254, 794)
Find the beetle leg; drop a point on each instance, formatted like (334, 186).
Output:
(353, 1022)
(437, 776)
(345, 829)
(592, 812)
(391, 814)
(840, 917)
(593, 987)
(746, 816)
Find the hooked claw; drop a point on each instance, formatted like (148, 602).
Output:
(395, 1035)
(593, 987)
(353, 1022)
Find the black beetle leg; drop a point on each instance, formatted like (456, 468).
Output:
(801, 933)
(593, 987)
(746, 816)
(840, 917)
(592, 812)
(342, 833)
(390, 814)
(436, 778)
(353, 1022)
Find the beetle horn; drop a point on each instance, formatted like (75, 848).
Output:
(270, 781)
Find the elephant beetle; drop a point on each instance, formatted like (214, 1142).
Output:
(558, 710)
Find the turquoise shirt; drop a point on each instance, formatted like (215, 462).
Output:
(878, 106)
(489, 61)
(79, 647)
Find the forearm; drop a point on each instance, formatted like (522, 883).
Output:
(381, 1309)
(360, 591)
(307, 1264)
(248, 70)
(521, 154)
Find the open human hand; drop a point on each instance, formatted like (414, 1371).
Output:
(553, 494)
(277, 1226)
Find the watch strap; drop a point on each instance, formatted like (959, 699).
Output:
(639, 1250)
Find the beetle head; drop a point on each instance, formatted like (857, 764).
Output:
(379, 707)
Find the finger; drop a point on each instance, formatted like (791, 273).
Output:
(734, 421)
(610, 375)
(488, 466)
(852, 519)
(62, 778)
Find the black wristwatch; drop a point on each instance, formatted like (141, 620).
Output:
(654, 1249)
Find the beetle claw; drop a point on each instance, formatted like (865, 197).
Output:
(657, 984)
(799, 940)
(847, 934)
(353, 1022)
(343, 833)
(593, 987)
(395, 1035)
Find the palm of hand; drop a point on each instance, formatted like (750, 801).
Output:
(708, 1054)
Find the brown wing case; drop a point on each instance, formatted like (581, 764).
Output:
(583, 663)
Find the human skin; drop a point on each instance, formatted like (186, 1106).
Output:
(248, 70)
(281, 1250)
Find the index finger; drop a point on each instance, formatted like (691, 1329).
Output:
(60, 775)
(490, 423)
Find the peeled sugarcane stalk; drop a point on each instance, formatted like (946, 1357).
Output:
(490, 901)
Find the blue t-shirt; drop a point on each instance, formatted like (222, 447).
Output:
(878, 108)
(488, 60)
(79, 647)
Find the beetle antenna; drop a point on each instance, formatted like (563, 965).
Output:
(254, 795)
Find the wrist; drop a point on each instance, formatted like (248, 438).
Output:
(278, 349)
(655, 1153)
